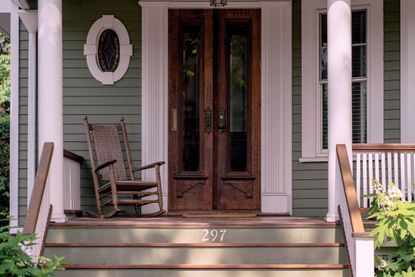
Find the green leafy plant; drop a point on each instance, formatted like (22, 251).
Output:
(15, 262)
(4, 73)
(4, 168)
(395, 225)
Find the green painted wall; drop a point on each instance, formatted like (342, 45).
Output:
(23, 73)
(392, 70)
(309, 179)
(83, 95)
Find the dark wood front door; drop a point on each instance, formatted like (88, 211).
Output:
(214, 110)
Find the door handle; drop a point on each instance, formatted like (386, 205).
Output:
(173, 120)
(221, 120)
(208, 120)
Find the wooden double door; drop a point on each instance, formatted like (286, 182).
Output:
(214, 110)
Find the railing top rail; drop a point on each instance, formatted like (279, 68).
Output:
(350, 190)
(38, 189)
(386, 147)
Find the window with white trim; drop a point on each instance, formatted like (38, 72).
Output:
(367, 76)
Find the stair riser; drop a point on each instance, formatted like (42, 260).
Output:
(205, 273)
(184, 255)
(194, 235)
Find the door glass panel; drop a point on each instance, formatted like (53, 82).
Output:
(190, 98)
(238, 85)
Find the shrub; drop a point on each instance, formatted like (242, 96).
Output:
(14, 262)
(4, 167)
(395, 223)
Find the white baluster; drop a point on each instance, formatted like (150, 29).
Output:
(377, 166)
(408, 176)
(389, 168)
(402, 172)
(358, 179)
(383, 170)
(396, 169)
(365, 179)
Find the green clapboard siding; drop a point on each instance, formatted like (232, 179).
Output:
(24, 37)
(392, 70)
(309, 179)
(83, 95)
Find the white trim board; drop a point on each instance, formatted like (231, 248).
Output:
(276, 93)
(407, 71)
(311, 114)
(6, 6)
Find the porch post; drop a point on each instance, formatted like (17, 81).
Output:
(50, 99)
(339, 99)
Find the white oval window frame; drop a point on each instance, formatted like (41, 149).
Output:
(91, 49)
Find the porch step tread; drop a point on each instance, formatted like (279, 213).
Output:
(207, 266)
(179, 222)
(192, 245)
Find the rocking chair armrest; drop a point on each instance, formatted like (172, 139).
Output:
(104, 165)
(148, 166)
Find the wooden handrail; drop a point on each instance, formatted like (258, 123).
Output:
(350, 191)
(386, 147)
(38, 189)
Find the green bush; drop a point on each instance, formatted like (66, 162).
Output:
(14, 262)
(4, 167)
(396, 224)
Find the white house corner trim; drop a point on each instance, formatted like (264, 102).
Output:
(407, 71)
(14, 119)
(276, 108)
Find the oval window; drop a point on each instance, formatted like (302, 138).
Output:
(108, 51)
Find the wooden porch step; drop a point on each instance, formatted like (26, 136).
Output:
(194, 245)
(199, 253)
(207, 266)
(184, 270)
(185, 247)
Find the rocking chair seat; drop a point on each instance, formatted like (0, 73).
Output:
(129, 186)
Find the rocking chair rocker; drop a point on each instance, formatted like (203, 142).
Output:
(112, 185)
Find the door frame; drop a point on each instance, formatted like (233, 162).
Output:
(276, 93)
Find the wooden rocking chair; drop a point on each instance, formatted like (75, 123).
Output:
(112, 185)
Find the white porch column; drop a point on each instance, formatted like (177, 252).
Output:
(339, 35)
(50, 96)
(29, 19)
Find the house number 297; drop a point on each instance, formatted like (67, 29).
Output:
(213, 235)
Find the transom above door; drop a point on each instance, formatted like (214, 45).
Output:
(214, 110)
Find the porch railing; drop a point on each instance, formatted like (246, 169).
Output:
(386, 163)
(39, 209)
(360, 245)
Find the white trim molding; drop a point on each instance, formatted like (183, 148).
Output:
(91, 49)
(276, 107)
(9, 7)
(275, 96)
(311, 100)
(407, 71)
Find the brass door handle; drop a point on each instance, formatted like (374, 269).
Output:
(208, 120)
(173, 120)
(221, 120)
